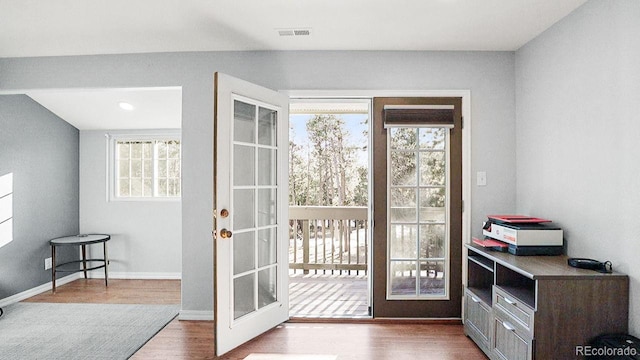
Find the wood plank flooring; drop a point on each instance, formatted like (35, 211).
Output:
(194, 339)
(332, 296)
(364, 342)
(118, 292)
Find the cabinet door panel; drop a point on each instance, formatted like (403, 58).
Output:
(478, 316)
(508, 344)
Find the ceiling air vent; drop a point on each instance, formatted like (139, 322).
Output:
(294, 32)
(301, 32)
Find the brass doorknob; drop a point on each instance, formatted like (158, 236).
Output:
(224, 213)
(225, 234)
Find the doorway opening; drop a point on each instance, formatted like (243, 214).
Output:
(329, 232)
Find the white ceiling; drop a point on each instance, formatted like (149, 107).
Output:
(78, 27)
(98, 109)
(30, 28)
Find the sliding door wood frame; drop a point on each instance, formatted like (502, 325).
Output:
(416, 307)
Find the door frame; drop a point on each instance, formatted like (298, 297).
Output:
(442, 306)
(466, 144)
(369, 101)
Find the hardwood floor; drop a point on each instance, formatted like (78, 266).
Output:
(118, 292)
(194, 339)
(365, 341)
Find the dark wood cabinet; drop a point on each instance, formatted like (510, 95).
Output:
(538, 307)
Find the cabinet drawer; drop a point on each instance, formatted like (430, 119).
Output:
(521, 313)
(478, 319)
(508, 342)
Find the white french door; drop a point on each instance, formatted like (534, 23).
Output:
(251, 215)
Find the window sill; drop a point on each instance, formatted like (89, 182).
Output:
(145, 199)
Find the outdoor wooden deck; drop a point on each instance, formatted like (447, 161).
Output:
(328, 296)
(328, 256)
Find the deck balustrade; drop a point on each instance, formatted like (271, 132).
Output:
(328, 238)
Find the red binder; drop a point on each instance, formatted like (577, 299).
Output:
(490, 243)
(517, 219)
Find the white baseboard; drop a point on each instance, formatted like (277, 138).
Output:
(38, 290)
(195, 315)
(135, 275)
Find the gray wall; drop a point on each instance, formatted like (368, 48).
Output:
(41, 150)
(577, 131)
(489, 76)
(145, 235)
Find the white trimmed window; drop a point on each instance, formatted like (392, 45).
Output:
(145, 167)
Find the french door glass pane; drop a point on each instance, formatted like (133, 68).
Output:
(403, 204)
(403, 138)
(243, 252)
(244, 207)
(403, 168)
(403, 277)
(244, 122)
(432, 138)
(432, 204)
(244, 165)
(267, 127)
(432, 281)
(267, 247)
(432, 168)
(243, 295)
(432, 241)
(403, 242)
(267, 167)
(267, 282)
(267, 207)
(417, 212)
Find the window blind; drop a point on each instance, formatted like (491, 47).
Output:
(418, 115)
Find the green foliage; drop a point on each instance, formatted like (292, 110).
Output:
(325, 171)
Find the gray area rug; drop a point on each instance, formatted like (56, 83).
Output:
(79, 331)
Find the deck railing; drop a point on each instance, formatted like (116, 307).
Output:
(328, 238)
